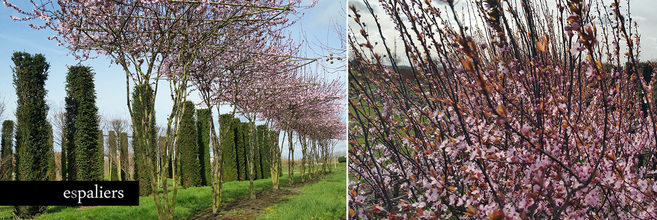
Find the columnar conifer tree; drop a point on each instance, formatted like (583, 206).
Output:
(81, 126)
(143, 108)
(257, 172)
(32, 151)
(228, 148)
(6, 158)
(239, 149)
(203, 132)
(263, 151)
(187, 147)
(247, 157)
(124, 156)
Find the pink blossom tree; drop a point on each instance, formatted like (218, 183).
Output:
(512, 109)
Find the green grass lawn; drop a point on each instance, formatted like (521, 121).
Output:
(6, 212)
(325, 199)
(189, 202)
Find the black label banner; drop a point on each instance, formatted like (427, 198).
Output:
(69, 193)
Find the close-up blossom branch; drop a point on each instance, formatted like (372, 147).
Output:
(499, 109)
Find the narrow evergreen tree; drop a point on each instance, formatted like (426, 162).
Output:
(143, 110)
(245, 148)
(187, 145)
(256, 154)
(263, 146)
(112, 152)
(228, 147)
(84, 150)
(123, 148)
(203, 131)
(6, 158)
(32, 149)
(239, 149)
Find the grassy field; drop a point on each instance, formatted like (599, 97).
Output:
(189, 201)
(325, 199)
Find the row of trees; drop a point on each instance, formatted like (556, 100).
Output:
(34, 159)
(235, 150)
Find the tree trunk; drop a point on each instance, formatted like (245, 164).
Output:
(275, 157)
(304, 157)
(290, 158)
(250, 159)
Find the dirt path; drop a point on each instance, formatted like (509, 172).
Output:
(243, 208)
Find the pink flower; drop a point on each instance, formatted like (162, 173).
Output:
(575, 26)
(525, 129)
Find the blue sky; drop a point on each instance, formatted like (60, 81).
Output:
(110, 79)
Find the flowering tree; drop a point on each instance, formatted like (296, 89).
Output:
(531, 115)
(223, 73)
(302, 103)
